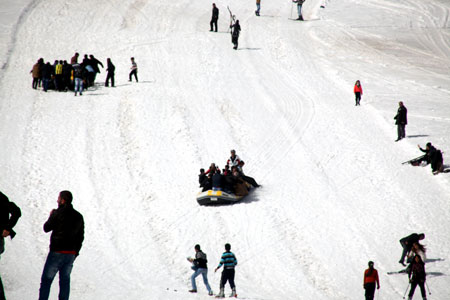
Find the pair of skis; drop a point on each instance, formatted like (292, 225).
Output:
(232, 18)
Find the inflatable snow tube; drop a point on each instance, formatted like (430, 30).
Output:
(212, 197)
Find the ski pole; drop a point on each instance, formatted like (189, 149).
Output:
(406, 290)
(428, 288)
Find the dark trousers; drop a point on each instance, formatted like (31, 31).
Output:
(401, 132)
(227, 275)
(250, 180)
(357, 98)
(370, 290)
(57, 262)
(134, 72)
(108, 77)
(213, 22)
(235, 40)
(414, 284)
(35, 83)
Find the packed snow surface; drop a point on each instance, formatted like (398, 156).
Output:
(335, 194)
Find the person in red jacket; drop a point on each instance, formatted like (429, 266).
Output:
(358, 92)
(370, 278)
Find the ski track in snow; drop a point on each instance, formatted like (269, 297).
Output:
(334, 194)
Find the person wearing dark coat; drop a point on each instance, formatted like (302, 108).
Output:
(67, 226)
(94, 64)
(9, 215)
(417, 276)
(110, 69)
(214, 17)
(407, 243)
(217, 181)
(429, 151)
(66, 73)
(235, 31)
(47, 72)
(401, 121)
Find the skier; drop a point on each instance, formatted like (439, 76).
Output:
(67, 226)
(214, 17)
(9, 215)
(258, 7)
(228, 261)
(407, 243)
(417, 249)
(78, 79)
(110, 68)
(235, 30)
(401, 121)
(199, 267)
(299, 9)
(370, 278)
(417, 276)
(358, 92)
(133, 70)
(234, 159)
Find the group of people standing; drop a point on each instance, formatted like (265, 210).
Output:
(414, 252)
(76, 76)
(200, 267)
(67, 227)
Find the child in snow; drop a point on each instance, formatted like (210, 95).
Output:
(370, 278)
(358, 92)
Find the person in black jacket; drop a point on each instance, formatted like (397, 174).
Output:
(110, 69)
(9, 215)
(407, 243)
(214, 17)
(417, 276)
(401, 121)
(94, 64)
(67, 226)
(200, 267)
(235, 30)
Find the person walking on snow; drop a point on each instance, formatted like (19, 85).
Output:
(78, 79)
(67, 226)
(199, 267)
(370, 278)
(358, 92)
(110, 69)
(228, 261)
(299, 8)
(258, 7)
(214, 17)
(134, 70)
(235, 31)
(407, 243)
(401, 120)
(9, 215)
(417, 276)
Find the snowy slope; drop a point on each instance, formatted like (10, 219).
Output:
(334, 192)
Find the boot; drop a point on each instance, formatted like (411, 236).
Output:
(233, 292)
(221, 294)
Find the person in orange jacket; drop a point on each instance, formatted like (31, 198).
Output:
(358, 92)
(370, 278)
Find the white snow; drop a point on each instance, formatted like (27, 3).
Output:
(334, 195)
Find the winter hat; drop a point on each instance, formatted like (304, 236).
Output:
(197, 247)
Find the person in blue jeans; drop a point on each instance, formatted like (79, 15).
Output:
(200, 267)
(299, 8)
(67, 226)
